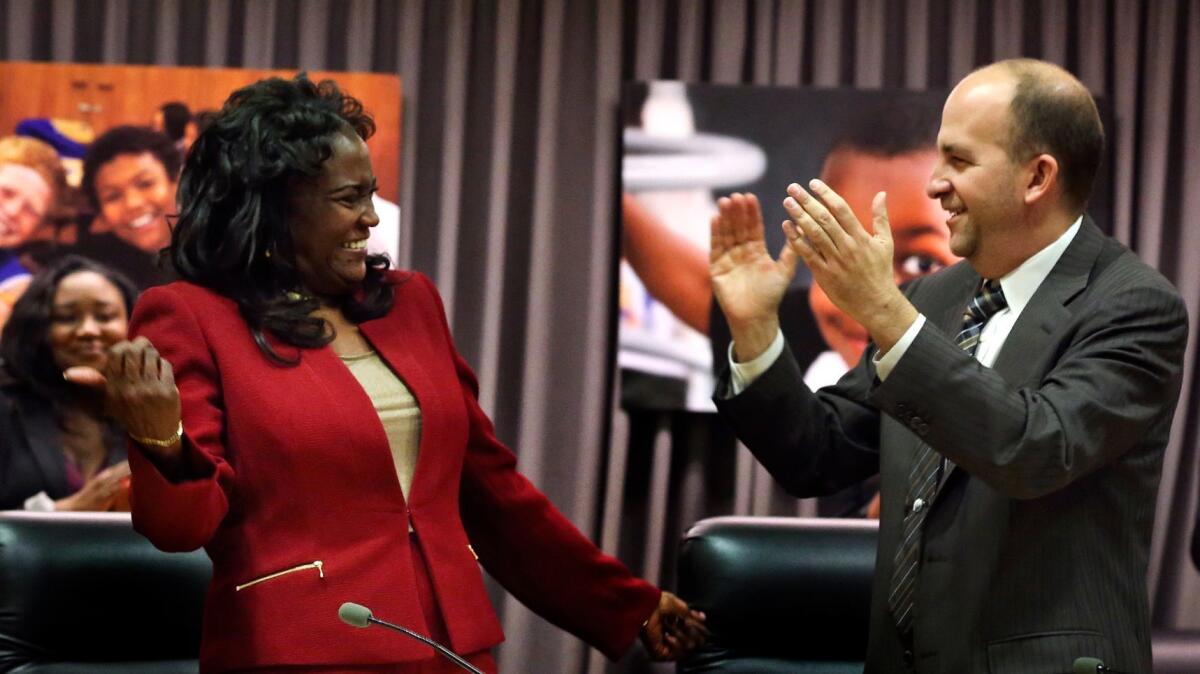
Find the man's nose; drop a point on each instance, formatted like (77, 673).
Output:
(937, 186)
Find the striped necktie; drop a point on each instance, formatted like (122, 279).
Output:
(927, 470)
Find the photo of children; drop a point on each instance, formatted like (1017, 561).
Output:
(90, 157)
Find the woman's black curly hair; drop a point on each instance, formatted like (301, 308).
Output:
(232, 234)
(25, 342)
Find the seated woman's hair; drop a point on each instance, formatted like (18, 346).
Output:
(121, 140)
(232, 234)
(25, 344)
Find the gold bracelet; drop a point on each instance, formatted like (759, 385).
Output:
(160, 443)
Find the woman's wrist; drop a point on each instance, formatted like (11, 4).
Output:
(160, 443)
(172, 462)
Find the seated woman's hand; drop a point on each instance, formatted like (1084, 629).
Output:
(140, 393)
(98, 493)
(673, 630)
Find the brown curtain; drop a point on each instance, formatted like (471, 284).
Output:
(508, 174)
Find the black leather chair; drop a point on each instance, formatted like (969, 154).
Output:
(85, 593)
(781, 594)
(792, 595)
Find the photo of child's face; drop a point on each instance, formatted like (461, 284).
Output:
(919, 231)
(135, 196)
(24, 199)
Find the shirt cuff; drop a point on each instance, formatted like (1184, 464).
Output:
(885, 363)
(742, 375)
(40, 502)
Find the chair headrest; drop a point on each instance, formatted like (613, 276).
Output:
(86, 587)
(778, 586)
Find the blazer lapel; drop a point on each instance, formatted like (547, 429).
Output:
(45, 441)
(353, 404)
(405, 360)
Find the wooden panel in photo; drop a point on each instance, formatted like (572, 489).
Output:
(109, 95)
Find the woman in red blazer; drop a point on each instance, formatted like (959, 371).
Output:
(256, 436)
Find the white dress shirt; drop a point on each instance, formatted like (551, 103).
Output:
(826, 369)
(1019, 286)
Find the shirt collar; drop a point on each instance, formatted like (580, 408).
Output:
(1020, 284)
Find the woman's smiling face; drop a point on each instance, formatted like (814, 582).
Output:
(88, 316)
(330, 216)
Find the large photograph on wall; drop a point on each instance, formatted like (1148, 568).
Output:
(90, 157)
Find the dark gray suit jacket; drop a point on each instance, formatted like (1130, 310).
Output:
(1036, 546)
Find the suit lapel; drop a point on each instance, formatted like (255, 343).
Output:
(45, 441)
(1045, 312)
(1047, 309)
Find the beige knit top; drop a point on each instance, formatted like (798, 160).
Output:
(397, 409)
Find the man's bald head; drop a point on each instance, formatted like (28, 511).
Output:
(1052, 113)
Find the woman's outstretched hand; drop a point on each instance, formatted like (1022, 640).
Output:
(139, 391)
(673, 630)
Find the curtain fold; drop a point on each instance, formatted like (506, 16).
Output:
(508, 175)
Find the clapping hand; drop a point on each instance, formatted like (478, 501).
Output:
(673, 630)
(852, 265)
(747, 282)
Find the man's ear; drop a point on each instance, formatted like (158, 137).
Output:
(1041, 178)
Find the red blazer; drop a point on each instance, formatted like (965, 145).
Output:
(292, 467)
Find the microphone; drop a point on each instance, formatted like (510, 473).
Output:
(357, 615)
(1093, 666)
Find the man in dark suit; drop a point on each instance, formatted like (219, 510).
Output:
(1016, 405)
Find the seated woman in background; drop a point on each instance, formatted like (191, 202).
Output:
(325, 442)
(58, 451)
(129, 179)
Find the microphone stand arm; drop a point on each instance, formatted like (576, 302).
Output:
(450, 655)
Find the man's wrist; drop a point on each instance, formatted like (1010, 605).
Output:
(750, 340)
(888, 323)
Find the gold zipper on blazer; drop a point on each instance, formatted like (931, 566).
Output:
(318, 565)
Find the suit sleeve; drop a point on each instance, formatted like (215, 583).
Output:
(796, 322)
(813, 444)
(1115, 379)
(532, 549)
(182, 514)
